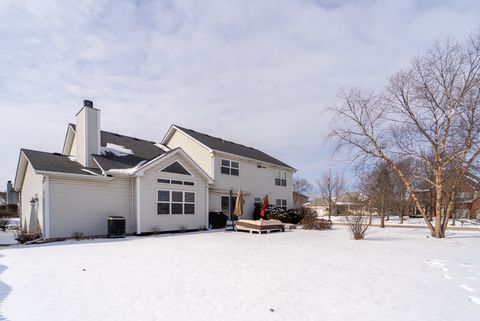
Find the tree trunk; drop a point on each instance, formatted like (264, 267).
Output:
(401, 214)
(439, 210)
(382, 219)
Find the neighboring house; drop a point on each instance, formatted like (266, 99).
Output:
(467, 203)
(3, 198)
(11, 195)
(169, 186)
(347, 203)
(299, 200)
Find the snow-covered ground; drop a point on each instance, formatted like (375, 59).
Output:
(395, 220)
(396, 274)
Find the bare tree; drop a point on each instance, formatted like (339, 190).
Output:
(377, 186)
(302, 187)
(430, 113)
(330, 187)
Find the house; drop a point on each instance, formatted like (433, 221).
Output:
(299, 200)
(171, 185)
(467, 201)
(347, 203)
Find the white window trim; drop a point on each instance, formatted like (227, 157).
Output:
(230, 166)
(283, 177)
(173, 179)
(183, 165)
(281, 203)
(170, 202)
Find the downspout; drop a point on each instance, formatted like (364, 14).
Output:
(138, 207)
(207, 224)
(46, 207)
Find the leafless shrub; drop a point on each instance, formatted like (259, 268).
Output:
(77, 235)
(357, 225)
(4, 223)
(155, 229)
(183, 228)
(23, 236)
(311, 222)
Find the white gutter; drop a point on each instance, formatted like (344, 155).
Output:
(256, 160)
(99, 177)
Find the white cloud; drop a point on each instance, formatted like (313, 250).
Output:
(258, 72)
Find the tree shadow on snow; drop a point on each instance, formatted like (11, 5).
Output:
(5, 290)
(463, 235)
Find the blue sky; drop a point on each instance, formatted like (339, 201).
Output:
(261, 73)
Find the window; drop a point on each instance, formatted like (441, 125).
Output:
(175, 182)
(281, 203)
(176, 168)
(257, 201)
(280, 178)
(189, 205)
(230, 167)
(175, 202)
(163, 202)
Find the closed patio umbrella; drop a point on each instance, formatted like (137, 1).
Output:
(238, 211)
(264, 207)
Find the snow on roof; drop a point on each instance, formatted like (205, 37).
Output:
(115, 149)
(126, 171)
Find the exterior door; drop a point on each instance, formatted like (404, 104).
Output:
(227, 205)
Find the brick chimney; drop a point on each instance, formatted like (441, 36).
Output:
(87, 132)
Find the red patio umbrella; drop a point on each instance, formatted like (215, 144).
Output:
(264, 206)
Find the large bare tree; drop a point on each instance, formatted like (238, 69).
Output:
(330, 187)
(428, 113)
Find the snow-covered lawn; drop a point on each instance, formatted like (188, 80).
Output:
(396, 274)
(395, 220)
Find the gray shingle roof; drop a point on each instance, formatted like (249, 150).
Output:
(56, 162)
(142, 150)
(226, 146)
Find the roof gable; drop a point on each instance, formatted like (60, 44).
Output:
(226, 146)
(176, 168)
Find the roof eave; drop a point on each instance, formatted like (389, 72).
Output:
(257, 160)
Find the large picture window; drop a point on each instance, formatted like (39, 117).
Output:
(280, 178)
(175, 202)
(230, 167)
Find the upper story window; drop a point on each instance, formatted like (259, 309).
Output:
(280, 178)
(230, 167)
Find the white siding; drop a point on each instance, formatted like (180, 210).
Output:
(84, 205)
(80, 137)
(197, 152)
(32, 217)
(87, 135)
(93, 119)
(256, 182)
(73, 149)
(148, 194)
